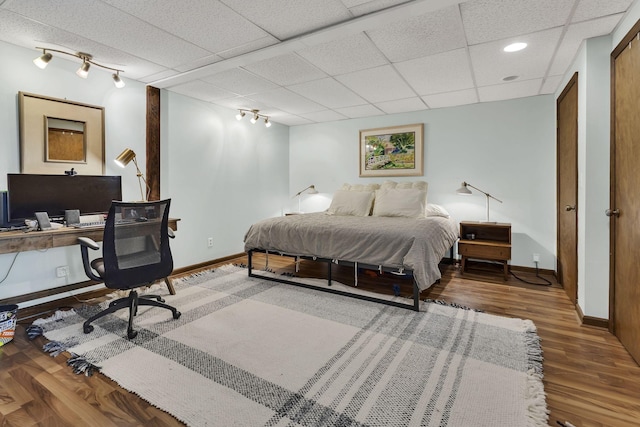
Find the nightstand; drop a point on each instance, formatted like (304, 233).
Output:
(488, 241)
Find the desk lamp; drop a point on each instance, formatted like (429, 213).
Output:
(312, 190)
(124, 159)
(464, 190)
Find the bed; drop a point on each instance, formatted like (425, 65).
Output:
(384, 235)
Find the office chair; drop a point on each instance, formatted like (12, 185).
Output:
(135, 253)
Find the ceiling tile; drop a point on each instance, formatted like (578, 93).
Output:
(368, 84)
(363, 7)
(287, 101)
(202, 90)
(240, 82)
(286, 19)
(451, 99)
(402, 105)
(443, 72)
(573, 39)
(292, 120)
(196, 22)
(590, 9)
(488, 20)
(418, 36)
(324, 116)
(345, 55)
(107, 25)
(360, 111)
(491, 64)
(510, 90)
(286, 70)
(328, 92)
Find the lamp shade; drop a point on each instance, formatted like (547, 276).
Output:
(312, 190)
(463, 189)
(125, 157)
(43, 60)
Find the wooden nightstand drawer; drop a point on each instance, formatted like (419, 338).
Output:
(484, 251)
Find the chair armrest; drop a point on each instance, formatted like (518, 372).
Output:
(171, 233)
(90, 243)
(85, 243)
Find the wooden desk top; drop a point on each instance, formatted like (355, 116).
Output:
(19, 241)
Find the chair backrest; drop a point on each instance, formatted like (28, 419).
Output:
(135, 245)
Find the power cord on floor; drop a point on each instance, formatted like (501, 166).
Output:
(546, 282)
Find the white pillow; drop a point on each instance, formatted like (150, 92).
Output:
(404, 202)
(436, 210)
(351, 203)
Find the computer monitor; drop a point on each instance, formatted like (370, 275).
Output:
(31, 193)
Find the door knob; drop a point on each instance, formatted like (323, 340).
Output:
(612, 212)
(569, 208)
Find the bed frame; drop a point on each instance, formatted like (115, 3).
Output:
(395, 270)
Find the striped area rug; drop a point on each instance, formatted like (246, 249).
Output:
(248, 352)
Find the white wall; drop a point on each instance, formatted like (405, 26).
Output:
(221, 174)
(505, 148)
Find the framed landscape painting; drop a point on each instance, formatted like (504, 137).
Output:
(392, 151)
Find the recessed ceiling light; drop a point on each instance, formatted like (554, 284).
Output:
(509, 78)
(514, 47)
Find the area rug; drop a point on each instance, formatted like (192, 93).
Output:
(249, 352)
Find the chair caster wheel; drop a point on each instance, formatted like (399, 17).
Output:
(177, 314)
(87, 329)
(131, 334)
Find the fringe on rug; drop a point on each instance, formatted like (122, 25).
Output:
(538, 412)
(79, 364)
(452, 304)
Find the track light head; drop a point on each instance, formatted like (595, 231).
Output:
(240, 115)
(83, 71)
(267, 123)
(42, 61)
(117, 80)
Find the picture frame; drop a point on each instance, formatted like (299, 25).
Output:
(57, 135)
(392, 151)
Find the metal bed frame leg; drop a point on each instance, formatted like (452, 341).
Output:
(416, 297)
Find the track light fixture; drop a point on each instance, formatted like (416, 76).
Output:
(83, 71)
(255, 116)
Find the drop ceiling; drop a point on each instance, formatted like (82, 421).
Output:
(311, 61)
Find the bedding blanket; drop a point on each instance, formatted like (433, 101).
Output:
(415, 244)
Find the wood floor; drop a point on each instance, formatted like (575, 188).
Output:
(590, 380)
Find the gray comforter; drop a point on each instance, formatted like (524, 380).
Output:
(415, 244)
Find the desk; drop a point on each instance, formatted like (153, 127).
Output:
(19, 241)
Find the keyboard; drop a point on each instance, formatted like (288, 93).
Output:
(90, 224)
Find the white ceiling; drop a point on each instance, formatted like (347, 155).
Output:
(307, 61)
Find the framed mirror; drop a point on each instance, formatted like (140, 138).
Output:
(65, 141)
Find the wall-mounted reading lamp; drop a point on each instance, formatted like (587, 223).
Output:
(312, 190)
(123, 160)
(464, 190)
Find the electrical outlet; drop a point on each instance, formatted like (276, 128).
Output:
(536, 257)
(210, 242)
(62, 271)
